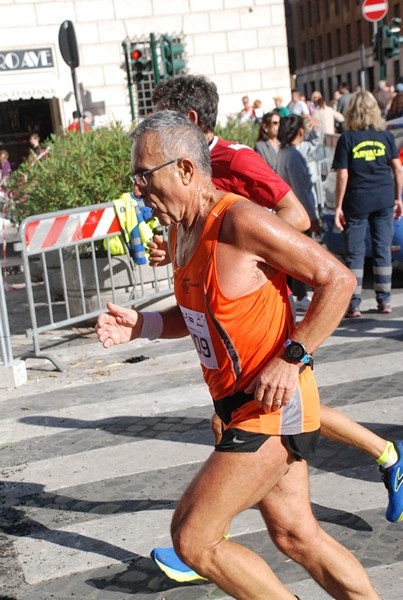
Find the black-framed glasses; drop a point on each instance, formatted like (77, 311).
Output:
(140, 179)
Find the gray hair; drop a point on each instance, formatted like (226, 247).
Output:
(178, 138)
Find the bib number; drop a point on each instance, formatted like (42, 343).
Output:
(196, 323)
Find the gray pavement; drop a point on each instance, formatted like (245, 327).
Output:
(94, 459)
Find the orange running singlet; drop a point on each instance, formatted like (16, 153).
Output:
(236, 337)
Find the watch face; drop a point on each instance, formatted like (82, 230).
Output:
(296, 351)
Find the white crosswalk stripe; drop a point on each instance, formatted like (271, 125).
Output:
(84, 541)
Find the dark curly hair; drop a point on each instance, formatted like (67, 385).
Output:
(289, 128)
(190, 92)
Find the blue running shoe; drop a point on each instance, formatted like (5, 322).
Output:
(168, 561)
(393, 480)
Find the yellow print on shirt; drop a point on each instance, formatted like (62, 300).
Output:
(369, 150)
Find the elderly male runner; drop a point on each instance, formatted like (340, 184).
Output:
(230, 258)
(237, 168)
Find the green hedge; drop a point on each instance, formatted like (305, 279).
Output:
(79, 170)
(234, 131)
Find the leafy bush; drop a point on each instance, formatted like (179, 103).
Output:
(234, 131)
(79, 170)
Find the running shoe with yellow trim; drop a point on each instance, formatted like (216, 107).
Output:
(169, 562)
(393, 480)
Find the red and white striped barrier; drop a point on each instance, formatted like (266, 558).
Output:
(52, 232)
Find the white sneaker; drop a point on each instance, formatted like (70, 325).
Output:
(302, 305)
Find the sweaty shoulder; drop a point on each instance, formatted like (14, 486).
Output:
(241, 220)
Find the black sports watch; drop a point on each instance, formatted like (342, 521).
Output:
(296, 352)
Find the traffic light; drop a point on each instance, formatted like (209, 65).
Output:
(392, 39)
(140, 65)
(172, 56)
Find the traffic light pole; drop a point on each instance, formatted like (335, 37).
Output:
(129, 79)
(153, 45)
(379, 36)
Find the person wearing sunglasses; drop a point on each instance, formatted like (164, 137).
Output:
(267, 143)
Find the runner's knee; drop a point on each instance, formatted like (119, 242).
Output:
(296, 539)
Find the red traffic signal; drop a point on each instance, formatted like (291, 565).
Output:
(136, 54)
(140, 64)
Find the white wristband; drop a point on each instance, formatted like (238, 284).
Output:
(153, 324)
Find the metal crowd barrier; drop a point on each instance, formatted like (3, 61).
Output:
(6, 353)
(77, 287)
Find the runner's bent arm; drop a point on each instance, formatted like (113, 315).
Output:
(250, 238)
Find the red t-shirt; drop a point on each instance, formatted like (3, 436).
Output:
(75, 126)
(241, 170)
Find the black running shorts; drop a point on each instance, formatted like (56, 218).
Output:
(301, 445)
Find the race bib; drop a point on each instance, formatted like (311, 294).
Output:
(196, 323)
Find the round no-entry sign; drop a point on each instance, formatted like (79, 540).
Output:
(374, 10)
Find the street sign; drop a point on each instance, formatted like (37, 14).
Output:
(374, 10)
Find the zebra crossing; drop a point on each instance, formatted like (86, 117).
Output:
(93, 461)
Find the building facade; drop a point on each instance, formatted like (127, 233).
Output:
(241, 45)
(330, 42)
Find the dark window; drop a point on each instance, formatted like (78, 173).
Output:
(318, 5)
(330, 89)
(321, 87)
(396, 10)
(350, 81)
(329, 45)
(304, 57)
(338, 41)
(327, 9)
(320, 47)
(337, 7)
(349, 38)
(301, 16)
(312, 45)
(310, 13)
(306, 90)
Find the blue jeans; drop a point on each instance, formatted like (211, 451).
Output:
(381, 228)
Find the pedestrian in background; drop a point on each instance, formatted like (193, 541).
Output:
(383, 96)
(281, 110)
(298, 106)
(5, 165)
(396, 108)
(247, 114)
(313, 102)
(258, 110)
(368, 193)
(327, 117)
(267, 144)
(293, 168)
(345, 95)
(75, 124)
(35, 143)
